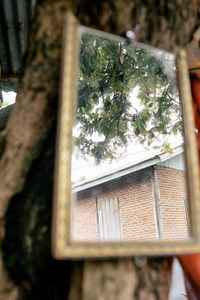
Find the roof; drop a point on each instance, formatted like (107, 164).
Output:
(149, 161)
(15, 17)
(4, 114)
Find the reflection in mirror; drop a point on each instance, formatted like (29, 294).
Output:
(128, 170)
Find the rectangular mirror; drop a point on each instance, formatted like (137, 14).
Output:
(127, 178)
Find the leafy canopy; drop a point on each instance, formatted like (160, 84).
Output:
(109, 113)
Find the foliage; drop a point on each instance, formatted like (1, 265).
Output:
(109, 113)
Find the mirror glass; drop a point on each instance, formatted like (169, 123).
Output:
(128, 167)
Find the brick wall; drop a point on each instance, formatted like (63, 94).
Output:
(173, 199)
(85, 216)
(140, 218)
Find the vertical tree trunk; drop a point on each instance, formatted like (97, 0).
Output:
(121, 279)
(27, 159)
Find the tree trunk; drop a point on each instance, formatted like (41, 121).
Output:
(120, 279)
(27, 148)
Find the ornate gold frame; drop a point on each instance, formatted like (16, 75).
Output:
(62, 246)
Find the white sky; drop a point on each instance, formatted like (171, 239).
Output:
(8, 98)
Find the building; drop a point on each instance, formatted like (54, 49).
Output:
(143, 201)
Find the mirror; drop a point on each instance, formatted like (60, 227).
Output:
(131, 170)
(128, 165)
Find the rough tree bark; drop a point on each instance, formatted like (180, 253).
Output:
(27, 158)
